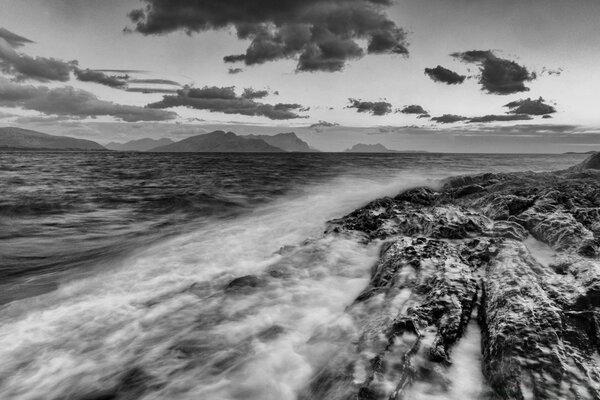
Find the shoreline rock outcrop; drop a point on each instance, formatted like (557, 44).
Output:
(464, 252)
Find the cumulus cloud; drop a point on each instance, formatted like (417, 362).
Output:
(497, 75)
(413, 109)
(13, 39)
(23, 66)
(501, 118)
(234, 71)
(225, 100)
(68, 101)
(250, 93)
(373, 107)
(322, 34)
(449, 118)
(90, 75)
(444, 75)
(530, 107)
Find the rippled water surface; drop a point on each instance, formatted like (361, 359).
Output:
(113, 268)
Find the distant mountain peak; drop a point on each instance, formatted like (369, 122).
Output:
(287, 141)
(219, 142)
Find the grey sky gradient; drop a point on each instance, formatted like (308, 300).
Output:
(541, 35)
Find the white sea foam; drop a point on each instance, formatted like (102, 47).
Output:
(465, 377)
(164, 310)
(540, 251)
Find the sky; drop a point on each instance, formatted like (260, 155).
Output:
(436, 75)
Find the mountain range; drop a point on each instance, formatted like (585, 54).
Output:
(214, 142)
(25, 139)
(218, 142)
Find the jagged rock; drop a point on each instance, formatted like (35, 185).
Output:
(444, 250)
(418, 302)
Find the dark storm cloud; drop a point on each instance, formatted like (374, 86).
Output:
(225, 100)
(68, 101)
(13, 39)
(449, 118)
(22, 66)
(323, 34)
(497, 75)
(374, 107)
(530, 107)
(234, 58)
(444, 75)
(90, 75)
(501, 118)
(250, 93)
(233, 71)
(413, 109)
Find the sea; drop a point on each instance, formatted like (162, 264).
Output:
(114, 268)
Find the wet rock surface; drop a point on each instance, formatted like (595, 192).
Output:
(463, 254)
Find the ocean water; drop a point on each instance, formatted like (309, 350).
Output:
(113, 268)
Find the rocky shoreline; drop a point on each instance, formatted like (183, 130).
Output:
(462, 253)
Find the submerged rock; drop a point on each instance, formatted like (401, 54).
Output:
(450, 252)
(243, 284)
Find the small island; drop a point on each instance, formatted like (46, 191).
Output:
(369, 148)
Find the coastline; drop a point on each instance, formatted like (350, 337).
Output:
(517, 253)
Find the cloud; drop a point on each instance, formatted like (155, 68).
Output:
(212, 92)
(234, 58)
(322, 34)
(449, 118)
(497, 75)
(530, 107)
(13, 39)
(542, 129)
(90, 75)
(225, 100)
(25, 67)
(68, 101)
(250, 93)
(500, 118)
(233, 71)
(155, 81)
(413, 109)
(444, 75)
(324, 124)
(148, 90)
(375, 108)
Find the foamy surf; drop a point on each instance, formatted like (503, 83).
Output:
(159, 324)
